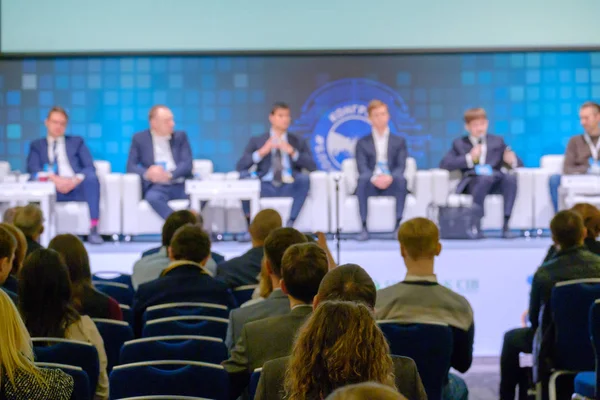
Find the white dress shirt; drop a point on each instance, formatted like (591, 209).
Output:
(60, 158)
(475, 142)
(381, 149)
(162, 152)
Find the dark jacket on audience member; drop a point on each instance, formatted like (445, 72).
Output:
(242, 270)
(591, 244)
(272, 377)
(32, 245)
(181, 282)
(12, 295)
(96, 304)
(11, 283)
(218, 258)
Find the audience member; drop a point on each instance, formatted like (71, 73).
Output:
(347, 282)
(30, 221)
(11, 282)
(85, 298)
(8, 245)
(9, 214)
(366, 391)
(185, 279)
(20, 379)
(420, 298)
(262, 291)
(572, 261)
(275, 245)
(244, 270)
(149, 267)
(303, 266)
(45, 302)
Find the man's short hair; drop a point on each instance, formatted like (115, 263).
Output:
(348, 282)
(591, 104)
(302, 269)
(29, 220)
(9, 214)
(473, 114)
(175, 221)
(419, 237)
(373, 104)
(567, 229)
(277, 243)
(154, 109)
(265, 222)
(190, 243)
(8, 244)
(58, 109)
(280, 105)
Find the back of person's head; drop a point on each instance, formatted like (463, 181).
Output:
(176, 220)
(21, 250)
(348, 282)
(265, 222)
(276, 243)
(190, 243)
(8, 246)
(419, 239)
(30, 221)
(9, 214)
(366, 391)
(591, 218)
(303, 267)
(567, 229)
(45, 294)
(339, 344)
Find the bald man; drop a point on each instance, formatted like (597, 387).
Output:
(162, 157)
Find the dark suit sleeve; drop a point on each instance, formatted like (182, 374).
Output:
(462, 352)
(535, 301)
(34, 160)
(261, 389)
(186, 161)
(237, 366)
(305, 158)
(133, 161)
(454, 159)
(400, 160)
(138, 307)
(86, 159)
(246, 162)
(361, 160)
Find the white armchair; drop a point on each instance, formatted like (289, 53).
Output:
(4, 168)
(444, 194)
(543, 211)
(381, 209)
(138, 216)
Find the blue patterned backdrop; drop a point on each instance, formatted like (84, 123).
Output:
(532, 98)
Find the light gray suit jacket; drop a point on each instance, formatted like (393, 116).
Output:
(276, 304)
(272, 377)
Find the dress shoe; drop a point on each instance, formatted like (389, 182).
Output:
(507, 234)
(94, 237)
(363, 236)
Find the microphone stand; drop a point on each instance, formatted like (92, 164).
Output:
(338, 230)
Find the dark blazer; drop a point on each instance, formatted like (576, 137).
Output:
(141, 155)
(591, 244)
(183, 283)
(455, 159)
(96, 304)
(242, 270)
(32, 245)
(366, 156)
(272, 377)
(12, 295)
(217, 258)
(78, 154)
(11, 283)
(305, 159)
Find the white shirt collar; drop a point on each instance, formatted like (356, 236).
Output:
(474, 140)
(283, 137)
(378, 135)
(59, 139)
(420, 278)
(160, 137)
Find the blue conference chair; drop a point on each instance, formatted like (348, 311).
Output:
(586, 383)
(127, 313)
(200, 326)
(429, 345)
(187, 348)
(114, 277)
(122, 293)
(243, 293)
(69, 352)
(115, 334)
(169, 378)
(185, 309)
(254, 378)
(81, 387)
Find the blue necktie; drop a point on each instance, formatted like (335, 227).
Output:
(55, 157)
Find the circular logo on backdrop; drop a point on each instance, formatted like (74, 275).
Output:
(335, 116)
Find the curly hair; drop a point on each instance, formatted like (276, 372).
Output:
(591, 218)
(340, 344)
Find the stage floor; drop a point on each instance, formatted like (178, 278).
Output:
(492, 274)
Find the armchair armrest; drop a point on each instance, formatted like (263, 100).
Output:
(440, 188)
(422, 191)
(319, 200)
(110, 203)
(132, 195)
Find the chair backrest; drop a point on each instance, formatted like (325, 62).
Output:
(553, 163)
(189, 348)
(185, 309)
(177, 378)
(190, 325)
(102, 167)
(429, 345)
(243, 293)
(202, 168)
(81, 387)
(127, 313)
(114, 334)
(595, 334)
(69, 352)
(254, 378)
(122, 293)
(350, 171)
(114, 277)
(570, 304)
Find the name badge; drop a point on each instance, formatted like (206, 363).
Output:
(163, 164)
(383, 167)
(594, 166)
(484, 170)
(50, 168)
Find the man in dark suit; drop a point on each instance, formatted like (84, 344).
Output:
(380, 159)
(30, 221)
(347, 282)
(484, 161)
(279, 158)
(302, 268)
(68, 163)
(277, 303)
(162, 158)
(185, 279)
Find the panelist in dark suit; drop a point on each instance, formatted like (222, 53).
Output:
(162, 157)
(380, 159)
(69, 164)
(484, 160)
(279, 158)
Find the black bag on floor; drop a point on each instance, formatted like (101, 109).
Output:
(455, 222)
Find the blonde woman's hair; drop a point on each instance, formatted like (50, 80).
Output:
(265, 285)
(366, 391)
(16, 352)
(340, 344)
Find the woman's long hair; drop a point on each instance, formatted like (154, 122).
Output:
(339, 345)
(77, 260)
(21, 250)
(16, 353)
(591, 218)
(45, 295)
